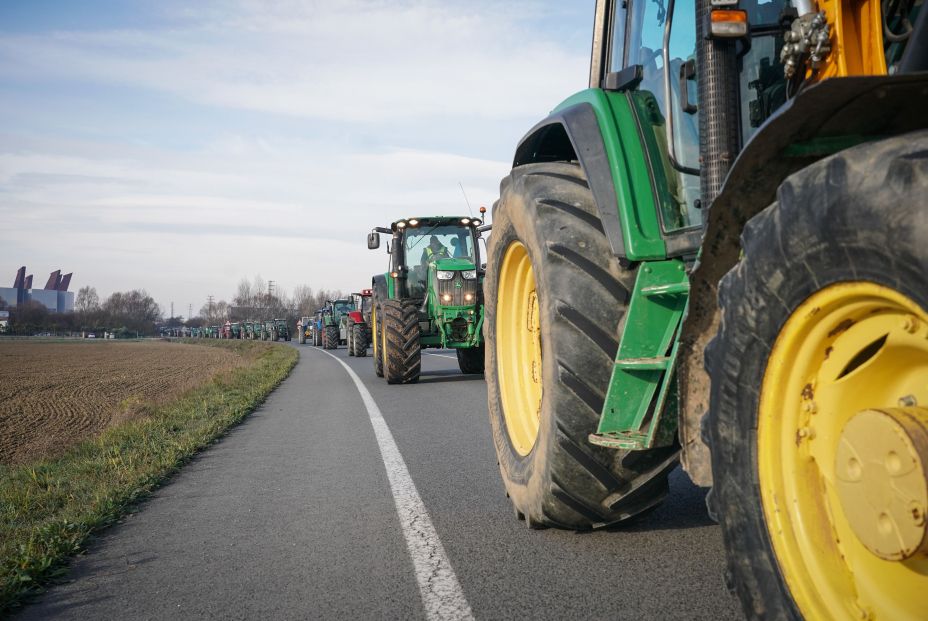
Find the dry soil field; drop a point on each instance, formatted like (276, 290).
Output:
(54, 394)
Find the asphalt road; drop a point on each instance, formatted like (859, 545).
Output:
(293, 515)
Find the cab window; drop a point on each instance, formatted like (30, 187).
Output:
(678, 192)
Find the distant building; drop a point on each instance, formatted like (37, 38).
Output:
(55, 296)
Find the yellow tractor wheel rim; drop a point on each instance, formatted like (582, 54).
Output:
(842, 446)
(518, 348)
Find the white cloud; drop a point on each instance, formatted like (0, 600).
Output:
(367, 101)
(345, 61)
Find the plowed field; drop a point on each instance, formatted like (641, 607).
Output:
(53, 395)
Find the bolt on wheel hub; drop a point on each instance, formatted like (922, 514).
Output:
(882, 480)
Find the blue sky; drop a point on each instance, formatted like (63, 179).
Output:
(179, 146)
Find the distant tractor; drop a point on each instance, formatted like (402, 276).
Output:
(304, 329)
(237, 331)
(430, 297)
(212, 332)
(358, 323)
(335, 328)
(317, 327)
(276, 329)
(282, 329)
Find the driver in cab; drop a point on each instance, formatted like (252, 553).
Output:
(435, 250)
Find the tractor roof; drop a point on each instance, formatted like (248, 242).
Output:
(423, 221)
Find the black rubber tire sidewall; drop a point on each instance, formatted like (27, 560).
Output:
(856, 216)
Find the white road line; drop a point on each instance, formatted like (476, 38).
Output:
(441, 592)
(428, 353)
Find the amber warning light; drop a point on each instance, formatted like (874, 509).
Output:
(729, 23)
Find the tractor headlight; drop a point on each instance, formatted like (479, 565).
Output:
(445, 275)
(446, 297)
(468, 297)
(469, 274)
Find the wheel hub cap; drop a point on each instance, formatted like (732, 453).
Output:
(881, 480)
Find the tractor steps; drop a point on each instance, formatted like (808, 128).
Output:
(641, 388)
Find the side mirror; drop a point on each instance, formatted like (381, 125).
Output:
(373, 240)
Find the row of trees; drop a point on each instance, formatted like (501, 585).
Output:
(255, 300)
(137, 312)
(129, 312)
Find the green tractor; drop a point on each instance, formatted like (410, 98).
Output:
(236, 330)
(431, 297)
(276, 329)
(716, 254)
(334, 328)
(250, 328)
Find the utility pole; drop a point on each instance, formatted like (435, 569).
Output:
(209, 300)
(172, 310)
(189, 311)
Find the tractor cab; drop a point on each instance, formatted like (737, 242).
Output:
(431, 254)
(363, 301)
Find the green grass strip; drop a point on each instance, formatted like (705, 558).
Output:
(49, 508)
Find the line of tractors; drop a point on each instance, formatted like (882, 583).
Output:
(271, 330)
(713, 256)
(430, 297)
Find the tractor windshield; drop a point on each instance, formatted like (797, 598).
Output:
(436, 242)
(429, 243)
(342, 307)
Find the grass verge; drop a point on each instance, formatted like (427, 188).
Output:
(50, 507)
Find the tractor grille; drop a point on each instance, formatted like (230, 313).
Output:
(457, 293)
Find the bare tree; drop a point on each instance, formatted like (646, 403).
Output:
(87, 300)
(303, 300)
(245, 296)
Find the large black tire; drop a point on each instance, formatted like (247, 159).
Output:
(377, 320)
(859, 215)
(350, 342)
(471, 360)
(402, 353)
(583, 292)
(359, 336)
(330, 337)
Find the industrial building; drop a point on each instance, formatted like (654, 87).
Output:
(55, 296)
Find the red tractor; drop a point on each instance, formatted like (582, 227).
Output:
(358, 323)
